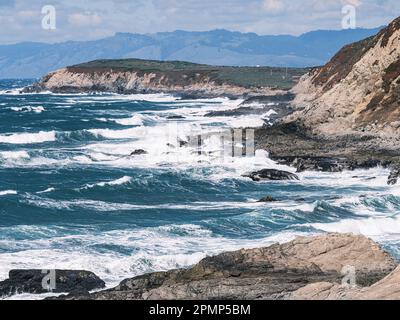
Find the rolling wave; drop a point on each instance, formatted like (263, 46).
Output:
(28, 138)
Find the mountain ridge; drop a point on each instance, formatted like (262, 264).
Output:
(216, 47)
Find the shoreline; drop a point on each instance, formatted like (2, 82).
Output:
(307, 268)
(290, 145)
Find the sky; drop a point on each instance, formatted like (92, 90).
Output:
(21, 20)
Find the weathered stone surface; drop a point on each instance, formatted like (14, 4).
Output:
(274, 272)
(386, 289)
(30, 281)
(357, 91)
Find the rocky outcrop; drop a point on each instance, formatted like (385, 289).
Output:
(358, 91)
(36, 282)
(271, 174)
(187, 80)
(275, 272)
(292, 144)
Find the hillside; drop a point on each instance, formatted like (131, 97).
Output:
(358, 91)
(175, 77)
(217, 47)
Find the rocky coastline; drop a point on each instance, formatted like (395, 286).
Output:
(182, 79)
(331, 266)
(324, 126)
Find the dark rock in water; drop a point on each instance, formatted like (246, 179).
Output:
(36, 282)
(183, 143)
(175, 117)
(327, 164)
(138, 152)
(394, 176)
(320, 164)
(267, 199)
(271, 174)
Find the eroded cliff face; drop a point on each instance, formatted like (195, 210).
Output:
(357, 91)
(197, 85)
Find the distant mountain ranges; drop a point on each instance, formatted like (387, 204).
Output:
(217, 47)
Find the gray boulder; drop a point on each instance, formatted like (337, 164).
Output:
(57, 281)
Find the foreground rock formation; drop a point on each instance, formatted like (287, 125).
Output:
(35, 282)
(289, 271)
(386, 289)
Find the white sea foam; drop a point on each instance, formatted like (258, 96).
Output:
(135, 120)
(118, 182)
(377, 227)
(152, 249)
(28, 138)
(37, 109)
(114, 134)
(46, 191)
(19, 92)
(14, 155)
(102, 206)
(8, 192)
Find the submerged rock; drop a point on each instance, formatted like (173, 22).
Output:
(273, 272)
(34, 281)
(175, 117)
(138, 152)
(271, 174)
(267, 199)
(394, 176)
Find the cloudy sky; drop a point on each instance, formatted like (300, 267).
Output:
(21, 20)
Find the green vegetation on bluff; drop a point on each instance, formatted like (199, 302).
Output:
(185, 72)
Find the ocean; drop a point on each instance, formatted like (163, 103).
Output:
(73, 197)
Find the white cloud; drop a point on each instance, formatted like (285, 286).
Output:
(84, 20)
(273, 5)
(355, 3)
(102, 18)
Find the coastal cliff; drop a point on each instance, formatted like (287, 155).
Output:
(132, 76)
(358, 91)
(346, 113)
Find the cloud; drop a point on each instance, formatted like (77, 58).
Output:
(84, 20)
(100, 18)
(273, 5)
(355, 3)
